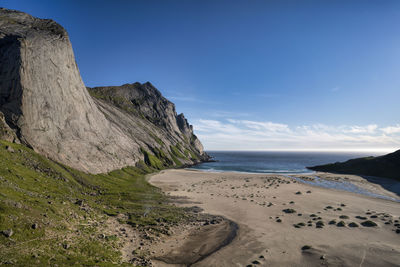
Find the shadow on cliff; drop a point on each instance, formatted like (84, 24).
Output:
(10, 87)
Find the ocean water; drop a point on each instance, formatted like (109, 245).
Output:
(273, 161)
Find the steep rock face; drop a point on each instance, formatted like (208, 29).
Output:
(144, 101)
(46, 103)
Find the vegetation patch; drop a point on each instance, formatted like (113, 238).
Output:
(369, 224)
(176, 152)
(289, 211)
(341, 224)
(52, 214)
(151, 160)
(353, 224)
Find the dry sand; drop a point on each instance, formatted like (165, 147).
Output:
(267, 235)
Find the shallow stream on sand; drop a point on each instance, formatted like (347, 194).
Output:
(342, 185)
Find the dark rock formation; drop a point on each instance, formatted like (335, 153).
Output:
(5, 131)
(383, 166)
(45, 102)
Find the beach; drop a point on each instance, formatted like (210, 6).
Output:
(280, 221)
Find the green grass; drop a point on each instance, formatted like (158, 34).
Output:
(191, 154)
(176, 152)
(152, 160)
(34, 189)
(119, 102)
(157, 139)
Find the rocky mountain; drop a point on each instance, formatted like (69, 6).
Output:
(48, 107)
(383, 166)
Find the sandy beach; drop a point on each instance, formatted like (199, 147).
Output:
(281, 222)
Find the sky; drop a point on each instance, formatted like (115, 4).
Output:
(249, 75)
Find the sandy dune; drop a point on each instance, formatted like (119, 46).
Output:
(279, 218)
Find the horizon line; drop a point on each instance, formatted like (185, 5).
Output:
(388, 150)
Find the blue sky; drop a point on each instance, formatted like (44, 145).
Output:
(250, 74)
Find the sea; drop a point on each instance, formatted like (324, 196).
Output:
(282, 162)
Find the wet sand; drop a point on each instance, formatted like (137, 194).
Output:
(281, 222)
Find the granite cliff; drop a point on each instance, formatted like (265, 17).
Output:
(47, 106)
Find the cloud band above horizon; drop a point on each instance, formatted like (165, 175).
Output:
(231, 134)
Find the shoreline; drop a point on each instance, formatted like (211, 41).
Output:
(256, 202)
(384, 194)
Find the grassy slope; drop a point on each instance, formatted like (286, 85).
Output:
(383, 166)
(34, 189)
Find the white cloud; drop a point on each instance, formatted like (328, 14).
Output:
(232, 134)
(391, 129)
(361, 129)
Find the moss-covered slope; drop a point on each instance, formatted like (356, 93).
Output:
(58, 214)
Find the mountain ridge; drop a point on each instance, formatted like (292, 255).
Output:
(47, 105)
(383, 166)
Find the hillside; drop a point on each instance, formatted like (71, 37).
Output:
(73, 190)
(383, 166)
(53, 214)
(48, 107)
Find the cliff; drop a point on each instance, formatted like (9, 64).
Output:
(48, 107)
(383, 166)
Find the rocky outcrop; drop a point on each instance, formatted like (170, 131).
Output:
(5, 131)
(46, 103)
(382, 166)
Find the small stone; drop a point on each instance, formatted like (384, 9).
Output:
(35, 226)
(10, 149)
(323, 257)
(8, 232)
